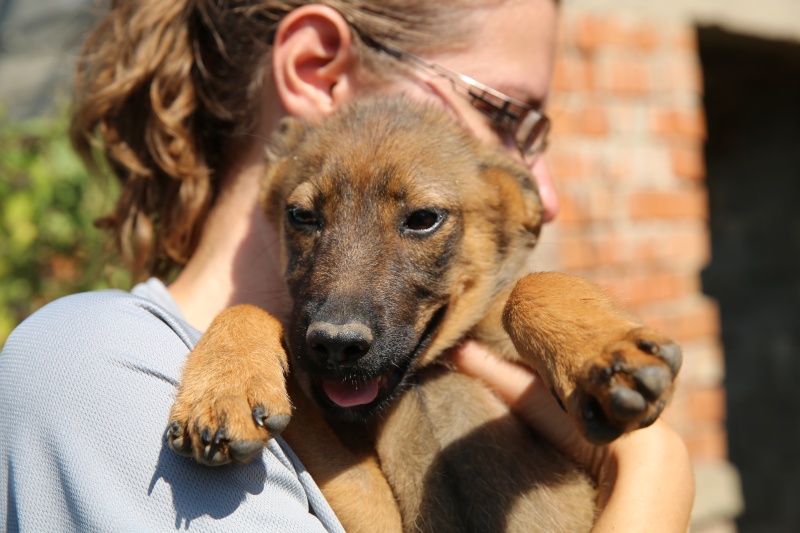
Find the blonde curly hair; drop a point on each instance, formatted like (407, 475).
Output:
(163, 87)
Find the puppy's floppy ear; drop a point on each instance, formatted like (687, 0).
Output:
(284, 144)
(287, 137)
(516, 190)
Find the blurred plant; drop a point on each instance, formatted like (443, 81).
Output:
(49, 246)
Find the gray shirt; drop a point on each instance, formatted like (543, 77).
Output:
(86, 385)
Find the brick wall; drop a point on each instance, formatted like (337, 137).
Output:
(627, 157)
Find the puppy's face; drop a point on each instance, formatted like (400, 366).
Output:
(398, 231)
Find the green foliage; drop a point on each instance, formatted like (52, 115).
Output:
(49, 246)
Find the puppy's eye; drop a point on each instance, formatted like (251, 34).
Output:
(300, 217)
(424, 221)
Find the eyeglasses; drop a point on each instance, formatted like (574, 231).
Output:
(528, 126)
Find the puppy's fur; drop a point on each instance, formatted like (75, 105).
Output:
(401, 237)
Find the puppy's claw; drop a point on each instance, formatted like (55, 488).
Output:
(669, 353)
(219, 436)
(214, 455)
(177, 441)
(205, 435)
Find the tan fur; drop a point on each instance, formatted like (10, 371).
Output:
(445, 454)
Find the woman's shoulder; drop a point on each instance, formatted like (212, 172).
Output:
(100, 329)
(100, 318)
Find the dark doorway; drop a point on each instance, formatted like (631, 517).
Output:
(752, 102)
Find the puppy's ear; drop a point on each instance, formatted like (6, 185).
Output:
(516, 190)
(284, 144)
(287, 137)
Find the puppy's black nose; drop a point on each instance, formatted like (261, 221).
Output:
(335, 345)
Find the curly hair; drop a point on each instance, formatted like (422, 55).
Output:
(163, 87)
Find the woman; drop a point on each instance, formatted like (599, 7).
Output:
(183, 95)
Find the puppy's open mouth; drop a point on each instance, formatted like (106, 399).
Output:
(357, 397)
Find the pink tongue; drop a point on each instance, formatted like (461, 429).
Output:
(347, 394)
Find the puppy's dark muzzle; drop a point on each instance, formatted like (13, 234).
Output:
(338, 346)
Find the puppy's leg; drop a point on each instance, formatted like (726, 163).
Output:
(611, 374)
(232, 397)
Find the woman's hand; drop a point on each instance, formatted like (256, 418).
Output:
(645, 478)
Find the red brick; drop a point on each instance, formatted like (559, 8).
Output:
(589, 121)
(566, 122)
(692, 318)
(649, 287)
(684, 244)
(576, 254)
(565, 37)
(594, 32)
(668, 205)
(704, 361)
(663, 286)
(626, 77)
(706, 404)
(580, 252)
(594, 121)
(682, 124)
(643, 36)
(567, 164)
(669, 244)
(684, 39)
(683, 75)
(603, 203)
(570, 211)
(688, 162)
(590, 33)
(701, 320)
(707, 443)
(687, 245)
(620, 169)
(571, 73)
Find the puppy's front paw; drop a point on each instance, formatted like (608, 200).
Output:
(216, 431)
(628, 386)
(232, 397)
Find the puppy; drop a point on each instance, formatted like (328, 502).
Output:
(402, 236)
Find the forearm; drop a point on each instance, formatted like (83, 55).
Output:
(641, 469)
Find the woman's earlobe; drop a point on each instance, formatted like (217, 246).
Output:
(312, 61)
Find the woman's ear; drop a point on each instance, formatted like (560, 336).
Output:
(313, 61)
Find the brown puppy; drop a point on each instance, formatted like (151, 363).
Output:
(401, 237)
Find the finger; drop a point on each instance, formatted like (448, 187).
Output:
(509, 381)
(518, 386)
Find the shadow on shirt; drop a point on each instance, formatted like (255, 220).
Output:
(199, 490)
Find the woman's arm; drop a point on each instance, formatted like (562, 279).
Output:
(645, 478)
